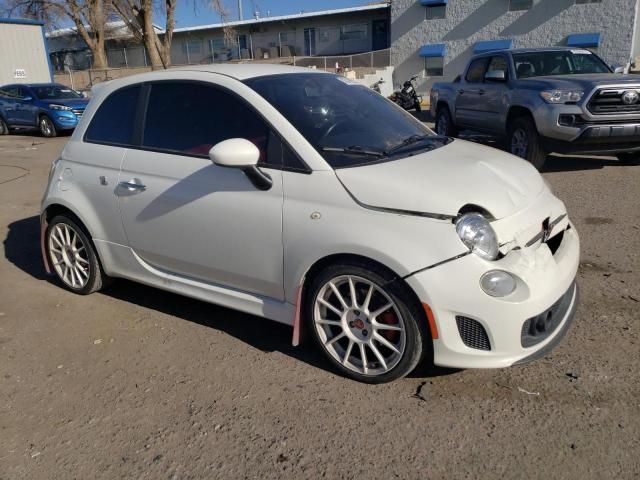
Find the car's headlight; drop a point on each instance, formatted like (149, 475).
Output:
(562, 96)
(54, 106)
(478, 235)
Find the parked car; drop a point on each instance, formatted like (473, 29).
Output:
(544, 100)
(49, 107)
(311, 200)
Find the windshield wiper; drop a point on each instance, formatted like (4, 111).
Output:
(355, 150)
(413, 139)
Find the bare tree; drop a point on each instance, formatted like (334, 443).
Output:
(88, 16)
(138, 16)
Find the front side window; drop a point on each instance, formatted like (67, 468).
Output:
(190, 118)
(114, 121)
(476, 71)
(561, 62)
(55, 92)
(347, 123)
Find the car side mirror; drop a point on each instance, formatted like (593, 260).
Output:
(244, 155)
(495, 76)
(618, 69)
(27, 99)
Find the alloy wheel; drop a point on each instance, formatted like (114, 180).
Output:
(69, 256)
(519, 143)
(442, 127)
(46, 127)
(359, 325)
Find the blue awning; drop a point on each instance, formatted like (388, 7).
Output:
(432, 3)
(583, 40)
(433, 50)
(488, 45)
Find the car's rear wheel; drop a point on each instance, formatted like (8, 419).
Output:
(47, 127)
(367, 326)
(444, 123)
(629, 158)
(4, 128)
(524, 142)
(73, 256)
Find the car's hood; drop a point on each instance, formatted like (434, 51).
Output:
(586, 81)
(69, 102)
(442, 181)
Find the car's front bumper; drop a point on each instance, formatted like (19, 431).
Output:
(453, 290)
(63, 119)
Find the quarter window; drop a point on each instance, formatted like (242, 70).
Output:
(190, 118)
(476, 71)
(114, 121)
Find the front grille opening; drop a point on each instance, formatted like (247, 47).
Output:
(611, 101)
(473, 333)
(554, 242)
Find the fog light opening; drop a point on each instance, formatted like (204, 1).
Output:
(498, 283)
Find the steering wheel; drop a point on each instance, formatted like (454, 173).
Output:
(332, 128)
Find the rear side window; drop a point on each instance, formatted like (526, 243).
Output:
(113, 123)
(190, 118)
(476, 71)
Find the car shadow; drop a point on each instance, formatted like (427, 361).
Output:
(22, 249)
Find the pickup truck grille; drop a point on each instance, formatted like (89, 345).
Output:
(78, 112)
(609, 101)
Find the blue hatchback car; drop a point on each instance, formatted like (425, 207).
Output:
(49, 107)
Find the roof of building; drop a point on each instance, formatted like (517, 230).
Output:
(119, 28)
(21, 21)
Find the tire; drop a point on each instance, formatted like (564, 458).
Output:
(444, 123)
(47, 127)
(4, 128)
(524, 142)
(629, 158)
(340, 336)
(73, 256)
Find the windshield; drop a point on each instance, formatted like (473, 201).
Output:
(347, 123)
(55, 92)
(560, 62)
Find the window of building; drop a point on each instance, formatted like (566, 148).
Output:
(435, 12)
(284, 37)
(582, 2)
(113, 123)
(434, 66)
(201, 116)
(476, 71)
(515, 5)
(217, 44)
(324, 34)
(353, 32)
(193, 46)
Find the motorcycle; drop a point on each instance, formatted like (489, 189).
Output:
(407, 97)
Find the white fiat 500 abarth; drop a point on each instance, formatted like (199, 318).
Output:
(305, 198)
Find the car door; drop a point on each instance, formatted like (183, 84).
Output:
(10, 103)
(494, 101)
(184, 215)
(470, 106)
(24, 107)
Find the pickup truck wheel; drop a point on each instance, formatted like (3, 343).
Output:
(4, 128)
(418, 106)
(444, 124)
(524, 142)
(629, 158)
(47, 128)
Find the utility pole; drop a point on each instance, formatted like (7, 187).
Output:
(240, 9)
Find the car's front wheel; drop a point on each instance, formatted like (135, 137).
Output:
(4, 128)
(524, 142)
(47, 127)
(73, 256)
(366, 325)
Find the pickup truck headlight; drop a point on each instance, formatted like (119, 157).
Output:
(478, 235)
(55, 106)
(562, 96)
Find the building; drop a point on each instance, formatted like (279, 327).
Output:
(331, 32)
(23, 52)
(435, 38)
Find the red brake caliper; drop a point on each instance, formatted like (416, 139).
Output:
(389, 318)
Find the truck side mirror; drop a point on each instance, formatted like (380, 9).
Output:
(618, 69)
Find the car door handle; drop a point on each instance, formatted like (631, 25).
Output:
(133, 185)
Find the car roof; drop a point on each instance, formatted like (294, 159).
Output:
(244, 71)
(528, 50)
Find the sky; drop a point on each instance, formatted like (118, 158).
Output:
(188, 16)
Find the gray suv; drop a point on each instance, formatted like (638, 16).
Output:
(544, 100)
